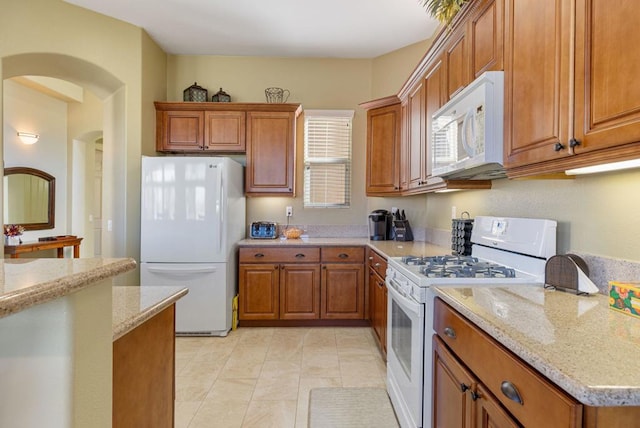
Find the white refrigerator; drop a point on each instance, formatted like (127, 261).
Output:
(192, 216)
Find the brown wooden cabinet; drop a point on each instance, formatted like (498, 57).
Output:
(342, 283)
(179, 130)
(377, 267)
(144, 374)
(224, 131)
(459, 399)
(383, 146)
(485, 31)
(301, 283)
(299, 291)
(415, 162)
(265, 132)
(505, 377)
(271, 148)
(581, 106)
(456, 55)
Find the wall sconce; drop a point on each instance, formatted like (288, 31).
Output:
(28, 137)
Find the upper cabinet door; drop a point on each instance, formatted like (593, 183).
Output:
(179, 130)
(415, 163)
(270, 153)
(456, 60)
(224, 131)
(383, 150)
(486, 37)
(607, 70)
(537, 80)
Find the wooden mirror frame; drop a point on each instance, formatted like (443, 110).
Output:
(49, 224)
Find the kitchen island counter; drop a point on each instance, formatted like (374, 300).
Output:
(134, 305)
(29, 282)
(577, 342)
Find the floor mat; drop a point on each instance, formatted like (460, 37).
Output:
(350, 408)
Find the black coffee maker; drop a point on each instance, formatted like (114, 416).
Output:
(380, 225)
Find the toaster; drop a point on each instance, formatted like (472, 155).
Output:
(263, 230)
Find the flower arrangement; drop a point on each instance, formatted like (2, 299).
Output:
(13, 230)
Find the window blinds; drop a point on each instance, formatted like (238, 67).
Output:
(327, 158)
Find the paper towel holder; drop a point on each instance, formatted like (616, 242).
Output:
(561, 273)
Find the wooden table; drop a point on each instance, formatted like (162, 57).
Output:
(59, 243)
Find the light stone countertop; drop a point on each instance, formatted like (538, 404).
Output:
(577, 342)
(28, 282)
(386, 248)
(133, 305)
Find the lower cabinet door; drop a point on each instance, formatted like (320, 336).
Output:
(299, 291)
(489, 412)
(342, 291)
(259, 291)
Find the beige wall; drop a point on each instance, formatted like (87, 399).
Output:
(54, 38)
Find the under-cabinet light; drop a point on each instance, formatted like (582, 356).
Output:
(614, 166)
(28, 137)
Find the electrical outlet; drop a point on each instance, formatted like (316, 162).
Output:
(289, 211)
(454, 212)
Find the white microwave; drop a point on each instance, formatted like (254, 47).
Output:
(467, 132)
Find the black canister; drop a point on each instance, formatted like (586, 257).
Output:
(461, 229)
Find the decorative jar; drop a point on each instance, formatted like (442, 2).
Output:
(221, 97)
(195, 93)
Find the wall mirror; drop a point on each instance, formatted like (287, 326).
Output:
(29, 198)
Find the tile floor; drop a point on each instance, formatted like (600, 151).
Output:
(261, 377)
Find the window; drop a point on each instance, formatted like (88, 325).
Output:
(327, 158)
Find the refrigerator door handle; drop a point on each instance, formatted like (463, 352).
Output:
(221, 198)
(181, 271)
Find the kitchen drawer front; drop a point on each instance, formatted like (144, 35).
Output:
(342, 254)
(543, 404)
(279, 255)
(377, 263)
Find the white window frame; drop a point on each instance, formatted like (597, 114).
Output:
(346, 161)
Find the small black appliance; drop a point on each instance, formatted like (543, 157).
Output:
(380, 225)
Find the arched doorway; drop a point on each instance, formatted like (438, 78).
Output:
(112, 93)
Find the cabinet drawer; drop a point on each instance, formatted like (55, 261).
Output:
(343, 254)
(377, 263)
(543, 404)
(279, 255)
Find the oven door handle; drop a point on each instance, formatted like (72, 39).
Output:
(406, 303)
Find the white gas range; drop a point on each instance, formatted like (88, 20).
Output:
(505, 251)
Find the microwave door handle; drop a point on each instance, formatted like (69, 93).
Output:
(467, 124)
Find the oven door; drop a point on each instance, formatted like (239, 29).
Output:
(405, 347)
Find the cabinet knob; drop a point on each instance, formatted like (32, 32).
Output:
(370, 257)
(377, 265)
(558, 146)
(464, 387)
(343, 255)
(511, 392)
(573, 143)
(474, 395)
(300, 255)
(258, 255)
(449, 332)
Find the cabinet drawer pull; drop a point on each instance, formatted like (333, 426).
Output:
(511, 392)
(258, 255)
(343, 255)
(300, 255)
(448, 331)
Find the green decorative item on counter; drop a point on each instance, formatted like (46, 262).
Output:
(625, 297)
(443, 10)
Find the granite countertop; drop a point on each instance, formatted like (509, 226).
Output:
(577, 342)
(28, 282)
(133, 305)
(386, 248)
